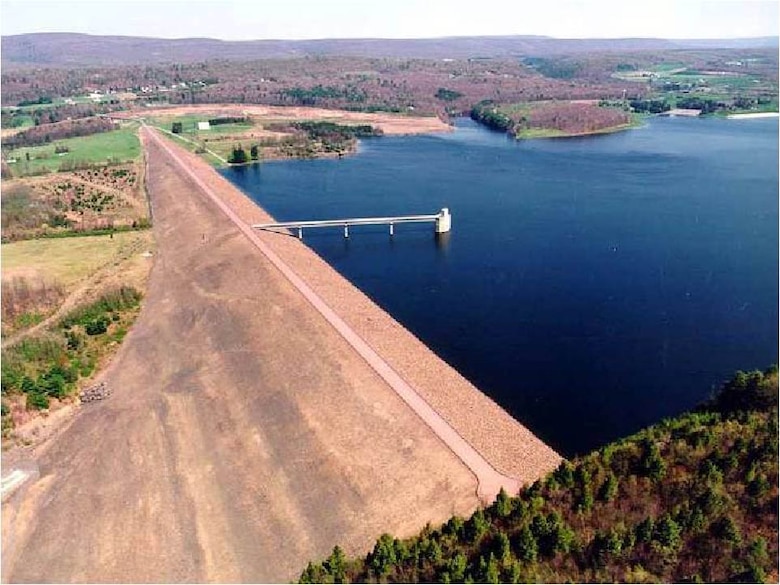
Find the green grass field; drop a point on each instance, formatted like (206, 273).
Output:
(663, 67)
(189, 126)
(115, 146)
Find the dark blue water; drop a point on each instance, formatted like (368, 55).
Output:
(590, 286)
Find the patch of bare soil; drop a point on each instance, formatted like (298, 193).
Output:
(389, 123)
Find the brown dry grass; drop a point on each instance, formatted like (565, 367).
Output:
(27, 300)
(79, 269)
(87, 199)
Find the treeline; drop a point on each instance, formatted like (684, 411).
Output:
(47, 133)
(447, 95)
(228, 120)
(649, 106)
(697, 103)
(706, 106)
(35, 102)
(488, 114)
(319, 94)
(691, 499)
(559, 68)
(330, 130)
(52, 114)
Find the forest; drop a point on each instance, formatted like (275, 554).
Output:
(428, 85)
(691, 499)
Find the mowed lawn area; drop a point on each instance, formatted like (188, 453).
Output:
(115, 146)
(189, 125)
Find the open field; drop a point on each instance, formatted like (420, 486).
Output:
(78, 268)
(69, 260)
(116, 146)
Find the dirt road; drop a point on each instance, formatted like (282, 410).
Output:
(244, 435)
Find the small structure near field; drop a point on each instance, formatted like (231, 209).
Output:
(204, 126)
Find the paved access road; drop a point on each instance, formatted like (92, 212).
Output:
(243, 436)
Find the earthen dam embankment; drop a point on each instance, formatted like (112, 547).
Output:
(244, 434)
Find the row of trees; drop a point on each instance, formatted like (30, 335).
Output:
(488, 114)
(47, 133)
(239, 156)
(565, 117)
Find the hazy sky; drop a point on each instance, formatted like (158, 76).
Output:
(300, 19)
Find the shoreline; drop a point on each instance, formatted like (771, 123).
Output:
(602, 131)
(749, 116)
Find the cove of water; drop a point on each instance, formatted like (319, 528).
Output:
(591, 286)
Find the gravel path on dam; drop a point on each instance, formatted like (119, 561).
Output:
(244, 436)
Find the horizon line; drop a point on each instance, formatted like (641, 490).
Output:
(381, 38)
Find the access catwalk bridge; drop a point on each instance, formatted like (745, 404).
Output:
(442, 222)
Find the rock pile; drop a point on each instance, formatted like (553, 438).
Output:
(96, 392)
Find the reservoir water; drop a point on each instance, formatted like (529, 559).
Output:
(591, 286)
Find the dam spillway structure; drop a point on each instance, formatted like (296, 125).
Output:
(442, 223)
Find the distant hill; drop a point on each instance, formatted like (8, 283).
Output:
(76, 50)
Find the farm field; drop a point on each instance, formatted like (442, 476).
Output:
(107, 147)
